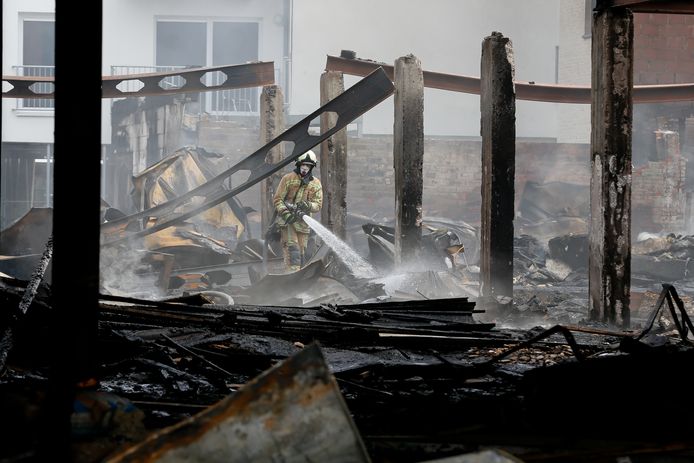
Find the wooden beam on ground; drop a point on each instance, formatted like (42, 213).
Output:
(408, 158)
(609, 260)
(498, 129)
(271, 125)
(333, 159)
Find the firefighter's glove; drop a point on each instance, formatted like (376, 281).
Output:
(288, 217)
(303, 206)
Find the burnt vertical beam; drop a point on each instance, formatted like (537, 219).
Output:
(76, 216)
(609, 261)
(2, 53)
(271, 125)
(498, 130)
(408, 158)
(333, 158)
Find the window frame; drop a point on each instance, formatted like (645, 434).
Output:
(207, 97)
(209, 22)
(21, 109)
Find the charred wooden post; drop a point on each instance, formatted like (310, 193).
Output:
(271, 125)
(408, 157)
(76, 217)
(333, 159)
(609, 260)
(498, 129)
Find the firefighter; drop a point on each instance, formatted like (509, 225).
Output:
(298, 193)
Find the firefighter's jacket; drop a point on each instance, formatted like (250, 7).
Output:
(293, 189)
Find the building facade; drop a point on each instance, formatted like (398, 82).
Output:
(551, 42)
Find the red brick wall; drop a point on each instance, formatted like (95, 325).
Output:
(452, 174)
(452, 171)
(658, 197)
(663, 48)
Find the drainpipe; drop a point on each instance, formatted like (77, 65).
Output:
(287, 52)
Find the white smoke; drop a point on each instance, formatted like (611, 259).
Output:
(123, 273)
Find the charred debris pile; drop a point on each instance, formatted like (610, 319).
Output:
(198, 323)
(391, 378)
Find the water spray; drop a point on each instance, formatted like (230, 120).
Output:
(356, 264)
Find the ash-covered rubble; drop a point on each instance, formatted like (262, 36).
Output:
(455, 383)
(656, 258)
(556, 215)
(664, 257)
(413, 344)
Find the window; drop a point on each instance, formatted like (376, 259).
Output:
(38, 58)
(181, 44)
(211, 43)
(39, 43)
(26, 180)
(234, 43)
(41, 188)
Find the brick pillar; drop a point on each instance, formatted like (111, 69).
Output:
(669, 205)
(498, 129)
(667, 144)
(333, 158)
(688, 141)
(609, 260)
(271, 125)
(408, 157)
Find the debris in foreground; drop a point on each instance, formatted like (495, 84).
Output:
(293, 412)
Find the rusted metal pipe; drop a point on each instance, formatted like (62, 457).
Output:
(577, 94)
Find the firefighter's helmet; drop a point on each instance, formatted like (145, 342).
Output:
(309, 157)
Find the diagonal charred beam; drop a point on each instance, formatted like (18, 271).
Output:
(7, 338)
(237, 76)
(524, 90)
(351, 104)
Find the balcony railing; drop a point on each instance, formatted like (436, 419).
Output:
(217, 103)
(39, 87)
